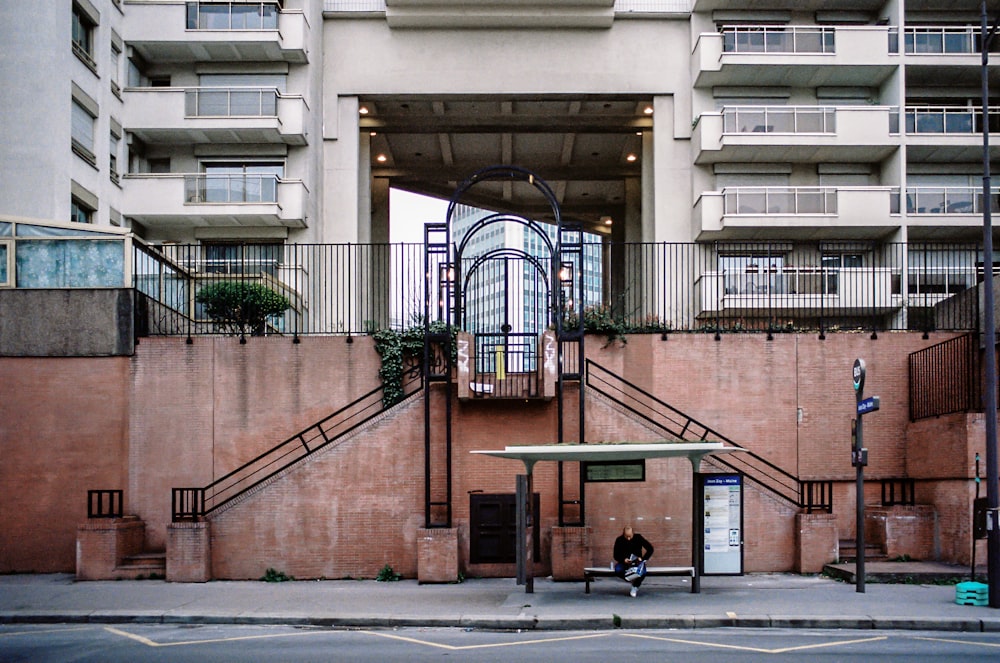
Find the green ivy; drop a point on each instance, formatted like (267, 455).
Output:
(240, 307)
(400, 349)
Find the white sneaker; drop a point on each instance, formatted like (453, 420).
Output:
(632, 592)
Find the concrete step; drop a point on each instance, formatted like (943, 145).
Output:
(153, 558)
(142, 566)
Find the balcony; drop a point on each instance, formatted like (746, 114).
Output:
(948, 134)
(195, 200)
(232, 32)
(944, 40)
(788, 291)
(215, 115)
(806, 56)
(947, 212)
(796, 133)
(794, 213)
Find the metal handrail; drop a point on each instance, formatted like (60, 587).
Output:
(683, 427)
(779, 119)
(193, 503)
(778, 39)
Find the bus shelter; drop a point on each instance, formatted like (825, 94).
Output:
(695, 452)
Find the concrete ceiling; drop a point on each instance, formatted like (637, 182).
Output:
(584, 148)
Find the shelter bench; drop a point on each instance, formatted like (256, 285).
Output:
(590, 573)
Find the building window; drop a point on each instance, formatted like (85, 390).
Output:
(82, 133)
(80, 212)
(6, 262)
(243, 258)
(84, 28)
(116, 63)
(113, 158)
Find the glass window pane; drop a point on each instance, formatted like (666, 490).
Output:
(70, 264)
(4, 252)
(82, 126)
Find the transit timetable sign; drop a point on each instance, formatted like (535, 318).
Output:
(722, 522)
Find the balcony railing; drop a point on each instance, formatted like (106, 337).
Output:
(779, 119)
(949, 200)
(756, 201)
(232, 15)
(948, 120)
(246, 188)
(778, 39)
(231, 102)
(941, 40)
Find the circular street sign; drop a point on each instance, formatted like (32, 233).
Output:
(859, 374)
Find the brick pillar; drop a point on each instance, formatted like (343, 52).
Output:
(102, 543)
(570, 552)
(437, 555)
(816, 541)
(189, 552)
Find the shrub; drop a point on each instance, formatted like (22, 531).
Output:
(241, 308)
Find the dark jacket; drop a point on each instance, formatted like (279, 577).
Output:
(638, 546)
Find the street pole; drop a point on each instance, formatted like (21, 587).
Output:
(859, 458)
(989, 333)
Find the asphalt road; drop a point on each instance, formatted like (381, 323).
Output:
(216, 643)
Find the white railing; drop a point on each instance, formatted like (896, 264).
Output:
(779, 119)
(232, 15)
(778, 39)
(949, 200)
(948, 120)
(941, 40)
(243, 188)
(758, 201)
(231, 102)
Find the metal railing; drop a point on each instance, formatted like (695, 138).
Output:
(194, 503)
(233, 15)
(941, 40)
(674, 423)
(230, 189)
(948, 120)
(644, 287)
(231, 102)
(949, 200)
(506, 365)
(779, 119)
(778, 39)
(105, 503)
(944, 378)
(755, 201)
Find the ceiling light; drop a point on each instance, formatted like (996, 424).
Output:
(630, 158)
(648, 110)
(606, 220)
(381, 158)
(374, 133)
(363, 110)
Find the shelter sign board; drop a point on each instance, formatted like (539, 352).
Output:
(721, 511)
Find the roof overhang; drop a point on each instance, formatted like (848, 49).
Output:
(610, 452)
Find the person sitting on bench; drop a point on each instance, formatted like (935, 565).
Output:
(630, 554)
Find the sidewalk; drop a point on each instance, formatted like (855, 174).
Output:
(754, 600)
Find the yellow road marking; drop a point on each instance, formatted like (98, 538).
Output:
(391, 636)
(47, 630)
(960, 642)
(759, 650)
(152, 643)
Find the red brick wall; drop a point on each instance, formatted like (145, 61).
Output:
(181, 415)
(63, 431)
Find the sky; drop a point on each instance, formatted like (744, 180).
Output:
(408, 212)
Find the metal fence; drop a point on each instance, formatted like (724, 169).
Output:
(649, 287)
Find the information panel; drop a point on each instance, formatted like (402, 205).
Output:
(722, 523)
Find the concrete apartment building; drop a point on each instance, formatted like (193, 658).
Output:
(800, 149)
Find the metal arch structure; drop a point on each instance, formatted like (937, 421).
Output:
(441, 259)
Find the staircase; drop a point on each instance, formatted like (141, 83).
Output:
(195, 503)
(143, 566)
(849, 551)
(809, 495)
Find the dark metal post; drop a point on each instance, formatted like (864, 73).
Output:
(859, 564)
(989, 332)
